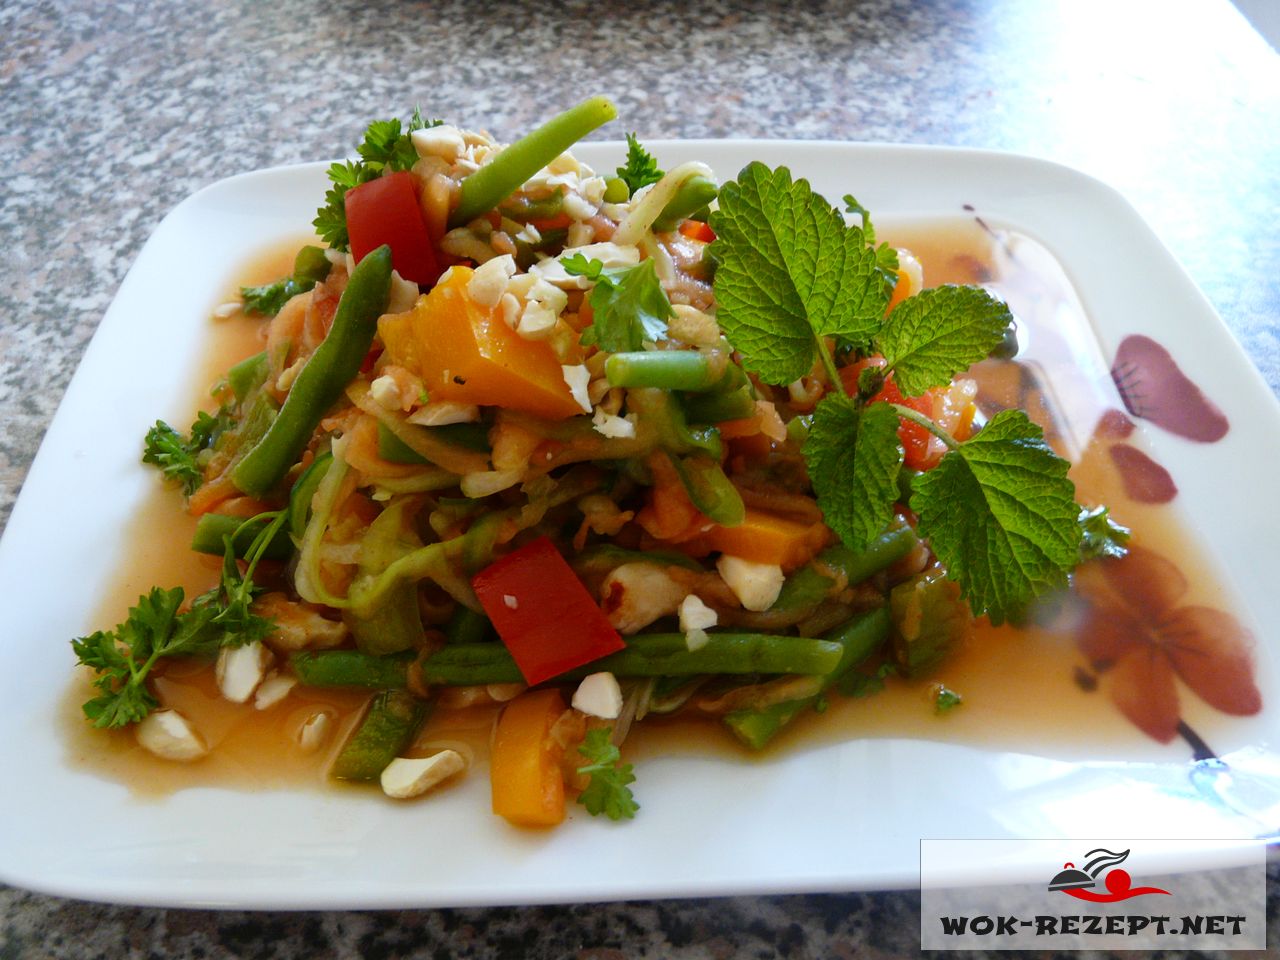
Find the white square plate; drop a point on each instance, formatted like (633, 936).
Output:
(833, 816)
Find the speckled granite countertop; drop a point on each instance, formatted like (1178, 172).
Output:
(111, 114)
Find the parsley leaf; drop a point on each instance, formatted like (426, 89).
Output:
(1100, 535)
(386, 147)
(641, 168)
(790, 270)
(628, 304)
(1000, 513)
(179, 457)
(270, 297)
(932, 336)
(608, 791)
(945, 699)
(122, 658)
(853, 456)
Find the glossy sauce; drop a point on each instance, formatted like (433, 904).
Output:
(1022, 688)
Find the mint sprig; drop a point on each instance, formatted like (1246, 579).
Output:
(998, 510)
(853, 457)
(932, 336)
(1000, 513)
(789, 272)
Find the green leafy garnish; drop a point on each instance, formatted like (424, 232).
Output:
(946, 699)
(123, 658)
(1000, 513)
(886, 256)
(309, 268)
(628, 304)
(998, 510)
(385, 147)
(1100, 535)
(937, 333)
(858, 684)
(789, 272)
(856, 482)
(641, 168)
(178, 457)
(608, 791)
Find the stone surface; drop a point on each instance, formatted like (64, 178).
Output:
(112, 113)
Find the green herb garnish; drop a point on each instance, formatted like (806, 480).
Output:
(608, 792)
(641, 168)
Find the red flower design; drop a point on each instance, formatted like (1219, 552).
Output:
(1135, 630)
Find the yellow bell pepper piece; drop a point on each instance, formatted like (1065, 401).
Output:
(466, 353)
(524, 763)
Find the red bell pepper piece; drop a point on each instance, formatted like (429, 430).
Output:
(543, 613)
(386, 210)
(697, 230)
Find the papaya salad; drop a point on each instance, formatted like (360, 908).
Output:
(583, 449)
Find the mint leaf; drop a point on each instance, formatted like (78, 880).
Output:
(628, 304)
(790, 270)
(1000, 513)
(932, 336)
(853, 456)
(641, 168)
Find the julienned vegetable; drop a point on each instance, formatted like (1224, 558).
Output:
(570, 482)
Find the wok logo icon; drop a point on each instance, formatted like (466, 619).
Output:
(1078, 881)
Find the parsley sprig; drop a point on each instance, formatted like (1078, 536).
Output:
(608, 791)
(179, 457)
(158, 628)
(641, 169)
(386, 147)
(999, 510)
(628, 304)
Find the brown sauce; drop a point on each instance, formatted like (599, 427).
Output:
(1028, 690)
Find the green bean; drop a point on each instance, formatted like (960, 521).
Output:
(694, 194)
(523, 209)
(718, 407)
(616, 190)
(710, 489)
(349, 668)
(810, 585)
(858, 639)
(310, 266)
(506, 172)
(467, 626)
(647, 655)
(335, 362)
(211, 528)
(388, 727)
(248, 375)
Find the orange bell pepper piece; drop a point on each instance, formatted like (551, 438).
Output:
(466, 353)
(768, 538)
(524, 764)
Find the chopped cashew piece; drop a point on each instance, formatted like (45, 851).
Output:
(314, 731)
(386, 392)
(696, 615)
(272, 690)
(441, 413)
(756, 585)
(598, 695)
(578, 378)
(489, 281)
(403, 295)
(168, 734)
(240, 669)
(407, 777)
(612, 426)
(442, 141)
